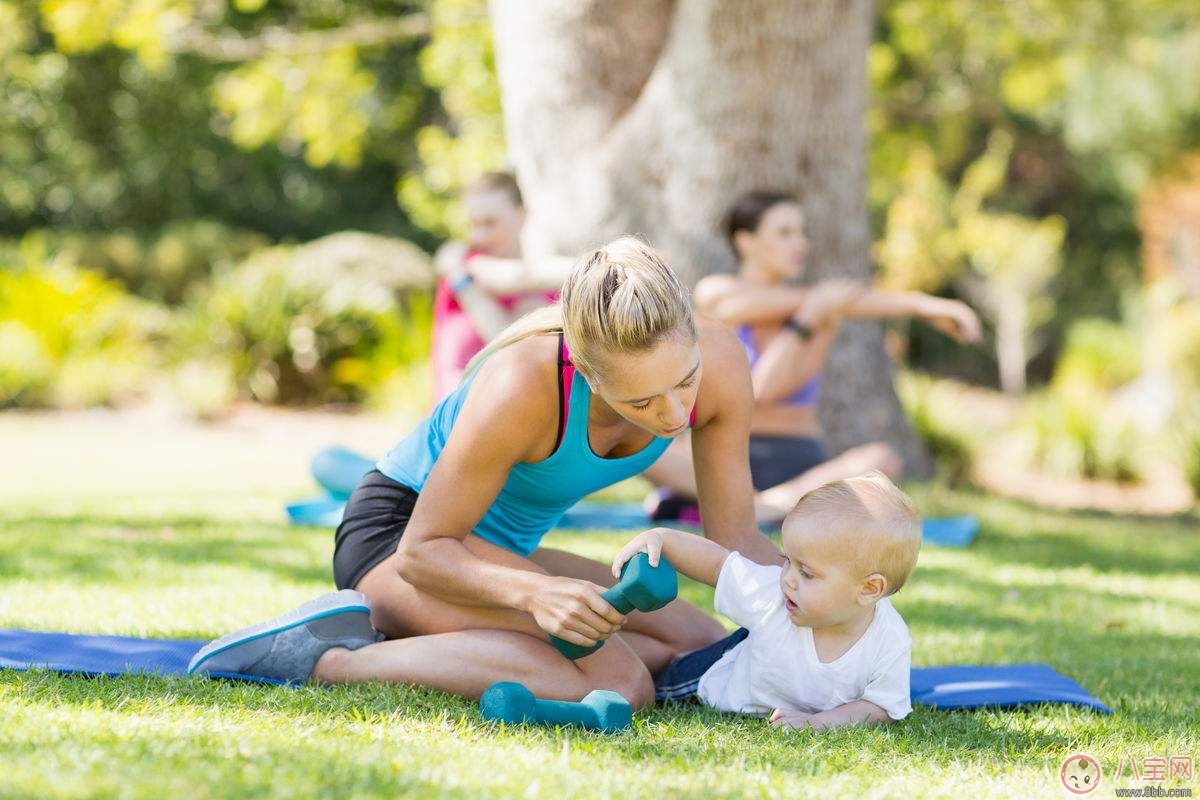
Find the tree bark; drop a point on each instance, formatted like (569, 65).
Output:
(651, 116)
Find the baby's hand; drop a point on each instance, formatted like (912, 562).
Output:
(649, 542)
(795, 720)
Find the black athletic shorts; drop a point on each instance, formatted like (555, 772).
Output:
(375, 517)
(776, 459)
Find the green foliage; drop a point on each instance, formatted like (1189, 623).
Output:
(1091, 98)
(97, 134)
(296, 336)
(460, 62)
(1004, 262)
(1074, 427)
(1079, 434)
(162, 266)
(935, 409)
(71, 338)
(1099, 356)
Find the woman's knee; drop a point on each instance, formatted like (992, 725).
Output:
(621, 671)
(887, 460)
(876, 455)
(635, 684)
(698, 630)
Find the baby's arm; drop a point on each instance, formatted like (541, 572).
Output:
(853, 713)
(695, 556)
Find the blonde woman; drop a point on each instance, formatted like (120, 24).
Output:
(440, 545)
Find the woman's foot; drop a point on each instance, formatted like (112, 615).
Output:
(287, 648)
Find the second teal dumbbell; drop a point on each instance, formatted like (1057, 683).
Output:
(600, 710)
(642, 587)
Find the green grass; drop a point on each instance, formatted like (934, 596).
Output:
(1115, 602)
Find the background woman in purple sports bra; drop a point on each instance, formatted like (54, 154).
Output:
(787, 332)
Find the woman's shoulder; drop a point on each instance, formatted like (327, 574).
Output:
(719, 346)
(725, 384)
(520, 377)
(712, 288)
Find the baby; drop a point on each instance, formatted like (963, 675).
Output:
(820, 644)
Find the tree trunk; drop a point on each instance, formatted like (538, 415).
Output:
(651, 116)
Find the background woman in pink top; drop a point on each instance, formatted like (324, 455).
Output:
(787, 332)
(483, 285)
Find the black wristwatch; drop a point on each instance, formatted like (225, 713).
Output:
(803, 331)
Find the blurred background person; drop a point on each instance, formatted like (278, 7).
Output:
(483, 284)
(787, 332)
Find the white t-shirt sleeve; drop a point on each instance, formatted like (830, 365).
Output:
(747, 591)
(889, 684)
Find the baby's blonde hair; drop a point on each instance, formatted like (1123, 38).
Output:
(881, 521)
(620, 298)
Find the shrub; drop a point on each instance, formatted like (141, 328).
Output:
(70, 338)
(297, 330)
(160, 266)
(934, 409)
(1080, 435)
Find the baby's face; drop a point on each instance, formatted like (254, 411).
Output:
(819, 585)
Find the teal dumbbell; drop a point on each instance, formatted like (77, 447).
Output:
(641, 587)
(600, 710)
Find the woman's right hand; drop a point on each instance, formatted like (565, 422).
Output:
(574, 611)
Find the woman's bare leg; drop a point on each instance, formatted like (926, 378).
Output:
(464, 649)
(467, 662)
(674, 470)
(772, 505)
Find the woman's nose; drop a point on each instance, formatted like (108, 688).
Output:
(675, 413)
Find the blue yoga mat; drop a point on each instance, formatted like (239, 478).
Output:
(339, 470)
(940, 687)
(320, 512)
(999, 686)
(102, 655)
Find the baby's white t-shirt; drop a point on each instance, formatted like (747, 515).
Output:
(776, 666)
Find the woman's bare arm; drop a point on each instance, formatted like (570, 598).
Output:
(790, 361)
(502, 422)
(508, 276)
(738, 302)
(720, 447)
(954, 318)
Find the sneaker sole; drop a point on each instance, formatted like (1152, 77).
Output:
(346, 601)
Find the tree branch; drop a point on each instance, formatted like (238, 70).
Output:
(194, 39)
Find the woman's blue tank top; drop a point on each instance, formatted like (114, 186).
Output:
(535, 496)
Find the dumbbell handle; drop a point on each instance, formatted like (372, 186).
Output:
(615, 595)
(562, 712)
(616, 599)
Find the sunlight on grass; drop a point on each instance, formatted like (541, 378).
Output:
(1113, 602)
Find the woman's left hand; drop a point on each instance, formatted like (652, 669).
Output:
(957, 320)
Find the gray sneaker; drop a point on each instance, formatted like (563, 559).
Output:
(287, 648)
